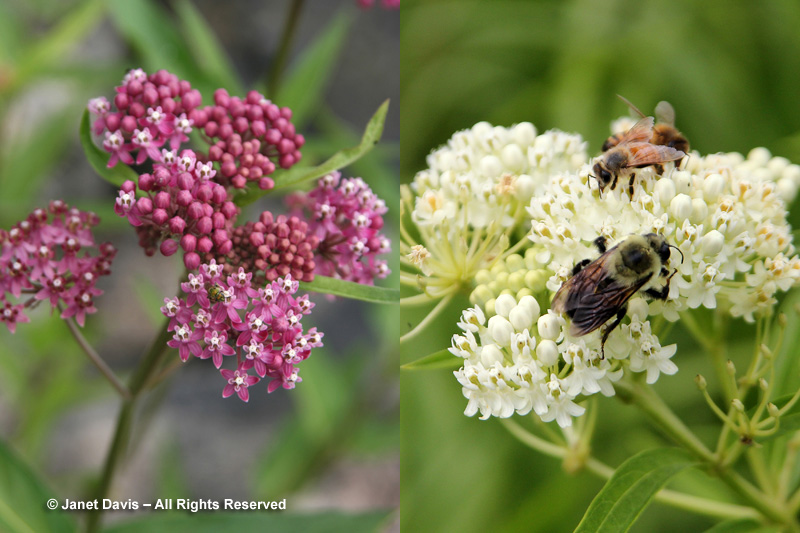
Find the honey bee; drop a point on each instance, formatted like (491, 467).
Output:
(599, 290)
(664, 131)
(633, 151)
(216, 294)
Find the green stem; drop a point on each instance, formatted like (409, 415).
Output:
(653, 406)
(675, 499)
(436, 311)
(148, 366)
(98, 361)
(275, 73)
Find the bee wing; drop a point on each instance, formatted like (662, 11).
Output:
(591, 297)
(640, 132)
(665, 113)
(644, 154)
(633, 107)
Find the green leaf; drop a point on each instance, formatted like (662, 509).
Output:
(304, 87)
(99, 158)
(623, 498)
(23, 499)
(436, 360)
(205, 48)
(51, 49)
(340, 159)
(350, 289)
(745, 525)
(181, 522)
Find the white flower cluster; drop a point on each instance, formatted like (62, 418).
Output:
(519, 361)
(489, 173)
(726, 214)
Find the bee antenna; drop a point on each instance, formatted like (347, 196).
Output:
(679, 251)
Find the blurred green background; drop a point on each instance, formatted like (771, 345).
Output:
(331, 445)
(732, 72)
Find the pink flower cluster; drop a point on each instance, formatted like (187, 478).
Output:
(49, 256)
(181, 207)
(271, 248)
(346, 217)
(386, 4)
(228, 317)
(151, 111)
(248, 136)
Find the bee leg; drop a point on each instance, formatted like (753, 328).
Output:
(664, 292)
(607, 331)
(614, 183)
(580, 265)
(600, 243)
(630, 185)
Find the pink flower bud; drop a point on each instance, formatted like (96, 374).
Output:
(272, 112)
(215, 152)
(218, 219)
(219, 194)
(168, 105)
(266, 183)
(299, 140)
(168, 247)
(112, 121)
(273, 136)
(239, 181)
(128, 124)
(184, 198)
(150, 95)
(204, 225)
(204, 245)
(195, 211)
(225, 131)
(211, 128)
(128, 186)
(160, 216)
(203, 193)
(146, 182)
(286, 161)
(185, 181)
(191, 99)
(162, 176)
(177, 225)
(145, 205)
(285, 146)
(220, 237)
(122, 101)
(162, 200)
(258, 127)
(221, 97)
(137, 109)
(256, 239)
(228, 168)
(134, 87)
(240, 125)
(191, 261)
(189, 243)
(225, 247)
(230, 210)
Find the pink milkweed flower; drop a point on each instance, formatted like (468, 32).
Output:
(186, 341)
(238, 381)
(216, 347)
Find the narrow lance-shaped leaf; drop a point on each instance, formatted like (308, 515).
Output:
(99, 158)
(340, 159)
(436, 360)
(630, 490)
(349, 289)
(205, 48)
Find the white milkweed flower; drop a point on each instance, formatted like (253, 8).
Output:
(726, 213)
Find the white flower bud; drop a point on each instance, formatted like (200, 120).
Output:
(548, 327)
(683, 181)
(504, 304)
(491, 166)
(713, 242)
(759, 156)
(547, 352)
(491, 354)
(638, 308)
(500, 330)
(786, 189)
(523, 133)
(525, 186)
(665, 190)
(531, 305)
(712, 187)
(681, 207)
(512, 157)
(777, 165)
(699, 211)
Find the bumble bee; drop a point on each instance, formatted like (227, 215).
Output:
(216, 294)
(664, 131)
(599, 290)
(633, 151)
